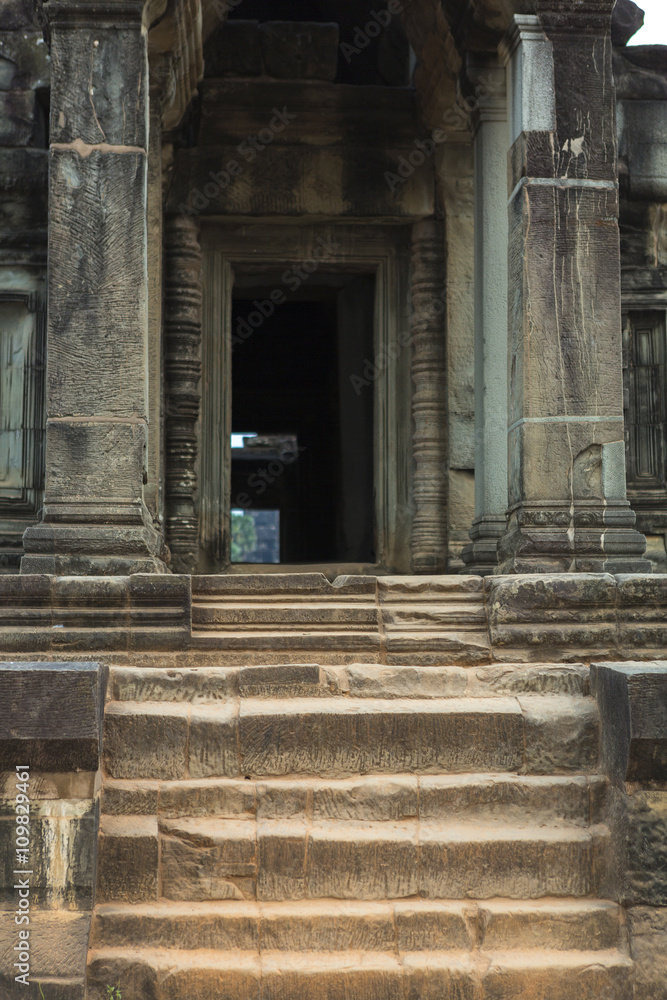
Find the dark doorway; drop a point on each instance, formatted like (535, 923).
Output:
(306, 454)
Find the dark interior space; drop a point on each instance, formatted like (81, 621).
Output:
(373, 48)
(312, 459)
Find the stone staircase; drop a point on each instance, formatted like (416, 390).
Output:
(362, 830)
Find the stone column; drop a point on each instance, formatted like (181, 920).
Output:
(491, 143)
(567, 500)
(183, 330)
(94, 520)
(429, 400)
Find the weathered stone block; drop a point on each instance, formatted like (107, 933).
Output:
(281, 869)
(376, 681)
(17, 14)
(587, 977)
(424, 925)
(648, 934)
(552, 925)
(24, 210)
(441, 976)
(239, 980)
(53, 715)
(361, 735)
(282, 799)
(207, 859)
(632, 698)
(300, 49)
(127, 866)
(58, 943)
(93, 248)
(19, 118)
(287, 680)
(378, 978)
(561, 733)
(213, 742)
(88, 61)
(129, 798)
(207, 798)
(380, 799)
(507, 798)
(58, 989)
(234, 50)
(24, 60)
(363, 861)
(134, 971)
(327, 926)
(626, 20)
(234, 928)
(196, 685)
(646, 875)
(511, 861)
(62, 855)
(145, 742)
(313, 180)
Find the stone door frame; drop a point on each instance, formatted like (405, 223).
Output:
(383, 250)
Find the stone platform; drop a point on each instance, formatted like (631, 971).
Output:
(377, 788)
(275, 618)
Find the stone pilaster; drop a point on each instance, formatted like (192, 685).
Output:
(568, 509)
(94, 520)
(491, 144)
(153, 490)
(183, 331)
(429, 400)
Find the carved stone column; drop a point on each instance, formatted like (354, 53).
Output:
(567, 497)
(429, 400)
(182, 362)
(491, 138)
(94, 519)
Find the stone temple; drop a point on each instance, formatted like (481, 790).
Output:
(333, 500)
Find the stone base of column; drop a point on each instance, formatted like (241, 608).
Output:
(63, 545)
(481, 554)
(556, 539)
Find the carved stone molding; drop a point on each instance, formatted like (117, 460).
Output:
(176, 55)
(182, 363)
(429, 400)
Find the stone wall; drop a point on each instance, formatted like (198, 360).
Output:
(24, 83)
(641, 89)
(50, 733)
(632, 698)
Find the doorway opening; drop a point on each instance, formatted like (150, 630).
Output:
(302, 459)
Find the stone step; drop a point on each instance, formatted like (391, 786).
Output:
(344, 735)
(435, 620)
(330, 925)
(293, 858)
(208, 975)
(535, 799)
(209, 685)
